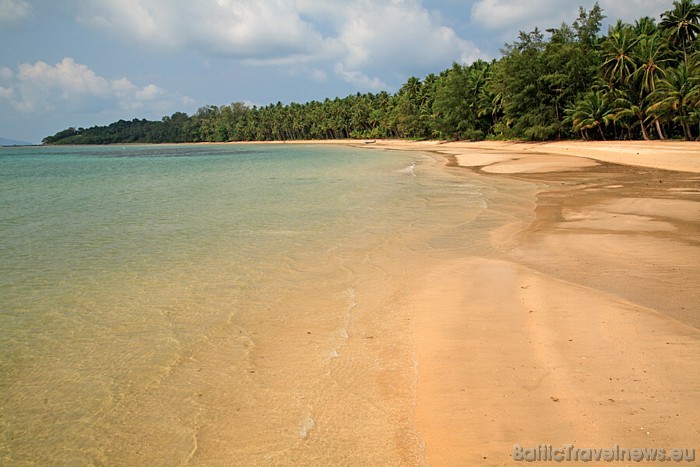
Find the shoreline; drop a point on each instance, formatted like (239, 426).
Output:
(652, 154)
(673, 155)
(499, 294)
(682, 156)
(584, 328)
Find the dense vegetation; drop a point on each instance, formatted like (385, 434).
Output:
(640, 80)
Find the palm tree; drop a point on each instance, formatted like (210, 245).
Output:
(645, 26)
(592, 112)
(619, 64)
(630, 110)
(682, 24)
(694, 94)
(676, 97)
(488, 104)
(652, 57)
(408, 110)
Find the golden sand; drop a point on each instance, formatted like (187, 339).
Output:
(585, 328)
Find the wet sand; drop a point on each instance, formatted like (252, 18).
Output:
(584, 327)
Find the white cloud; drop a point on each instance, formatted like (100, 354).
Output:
(261, 30)
(72, 86)
(6, 74)
(631, 10)
(510, 16)
(14, 11)
(391, 33)
(318, 75)
(149, 92)
(361, 41)
(314, 74)
(68, 78)
(506, 15)
(6, 93)
(384, 39)
(359, 79)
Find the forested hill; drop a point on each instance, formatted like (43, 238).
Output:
(639, 80)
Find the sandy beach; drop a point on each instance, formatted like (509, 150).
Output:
(436, 306)
(584, 328)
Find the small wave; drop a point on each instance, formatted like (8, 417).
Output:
(409, 170)
(353, 304)
(477, 194)
(345, 331)
(276, 233)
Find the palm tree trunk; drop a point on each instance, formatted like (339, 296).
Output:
(659, 130)
(688, 132)
(644, 130)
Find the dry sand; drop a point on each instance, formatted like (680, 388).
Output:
(585, 328)
(669, 155)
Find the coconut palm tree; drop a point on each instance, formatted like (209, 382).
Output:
(619, 64)
(652, 58)
(682, 24)
(630, 110)
(645, 26)
(592, 112)
(694, 94)
(676, 97)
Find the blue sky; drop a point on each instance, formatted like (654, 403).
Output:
(91, 62)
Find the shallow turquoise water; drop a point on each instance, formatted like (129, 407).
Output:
(170, 304)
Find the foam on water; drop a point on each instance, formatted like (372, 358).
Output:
(410, 170)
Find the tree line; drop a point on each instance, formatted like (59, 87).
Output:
(638, 81)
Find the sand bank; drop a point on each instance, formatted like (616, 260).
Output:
(674, 155)
(668, 155)
(584, 328)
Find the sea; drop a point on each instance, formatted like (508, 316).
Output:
(223, 304)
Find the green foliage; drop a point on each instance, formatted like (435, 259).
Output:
(637, 81)
(461, 107)
(676, 97)
(591, 114)
(681, 25)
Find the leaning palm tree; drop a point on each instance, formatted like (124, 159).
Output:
(676, 97)
(652, 56)
(592, 112)
(682, 24)
(694, 94)
(630, 110)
